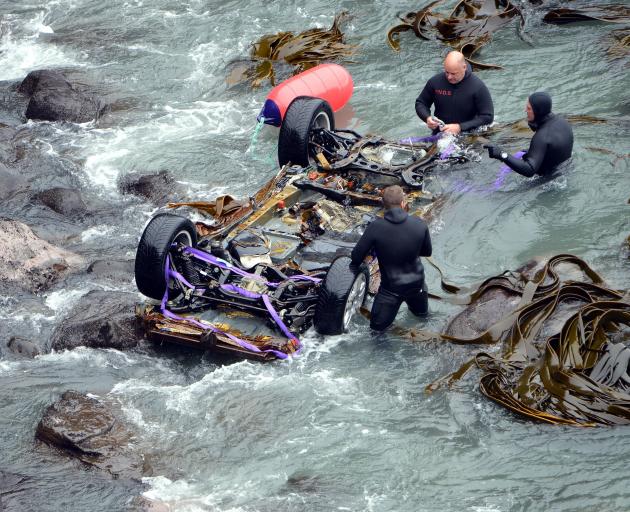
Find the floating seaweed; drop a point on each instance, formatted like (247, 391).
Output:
(565, 347)
(301, 52)
(467, 28)
(607, 13)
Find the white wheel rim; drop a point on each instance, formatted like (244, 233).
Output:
(355, 299)
(183, 237)
(321, 121)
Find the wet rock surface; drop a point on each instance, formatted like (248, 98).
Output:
(22, 347)
(158, 188)
(480, 316)
(30, 262)
(54, 98)
(64, 201)
(100, 320)
(88, 429)
(492, 306)
(112, 270)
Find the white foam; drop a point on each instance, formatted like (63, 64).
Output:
(88, 357)
(97, 232)
(182, 496)
(26, 52)
(61, 301)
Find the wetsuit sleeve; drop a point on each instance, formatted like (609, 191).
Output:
(484, 108)
(424, 102)
(531, 161)
(363, 246)
(427, 248)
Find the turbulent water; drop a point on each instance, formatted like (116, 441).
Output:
(346, 426)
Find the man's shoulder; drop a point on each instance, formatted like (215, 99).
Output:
(437, 79)
(417, 222)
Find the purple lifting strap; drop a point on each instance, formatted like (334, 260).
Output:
(447, 152)
(169, 273)
(208, 258)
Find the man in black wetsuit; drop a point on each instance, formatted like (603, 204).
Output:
(398, 240)
(462, 101)
(551, 144)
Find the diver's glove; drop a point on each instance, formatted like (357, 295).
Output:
(495, 152)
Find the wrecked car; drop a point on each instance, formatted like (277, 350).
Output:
(248, 277)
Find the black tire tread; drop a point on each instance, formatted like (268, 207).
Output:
(152, 250)
(333, 295)
(296, 126)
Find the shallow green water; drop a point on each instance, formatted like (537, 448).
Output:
(348, 425)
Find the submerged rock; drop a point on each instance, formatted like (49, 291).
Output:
(88, 429)
(158, 188)
(10, 183)
(23, 347)
(100, 320)
(65, 201)
(144, 504)
(12, 486)
(30, 262)
(53, 98)
(113, 270)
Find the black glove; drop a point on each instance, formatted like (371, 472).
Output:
(494, 151)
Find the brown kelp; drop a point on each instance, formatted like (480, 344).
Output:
(608, 13)
(620, 46)
(300, 51)
(467, 28)
(565, 346)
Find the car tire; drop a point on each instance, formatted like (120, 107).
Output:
(303, 115)
(340, 295)
(161, 232)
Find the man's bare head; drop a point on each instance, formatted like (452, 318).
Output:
(393, 196)
(455, 67)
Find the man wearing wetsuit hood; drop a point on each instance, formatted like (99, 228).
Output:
(551, 144)
(462, 101)
(398, 240)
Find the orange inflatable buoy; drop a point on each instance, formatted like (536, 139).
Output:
(330, 82)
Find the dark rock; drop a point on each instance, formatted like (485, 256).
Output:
(88, 429)
(492, 306)
(30, 262)
(65, 201)
(53, 98)
(158, 188)
(22, 346)
(478, 317)
(114, 270)
(100, 320)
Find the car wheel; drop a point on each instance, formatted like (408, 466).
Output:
(161, 233)
(303, 116)
(341, 294)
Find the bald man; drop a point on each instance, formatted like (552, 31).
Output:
(462, 101)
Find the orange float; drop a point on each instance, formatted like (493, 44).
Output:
(330, 82)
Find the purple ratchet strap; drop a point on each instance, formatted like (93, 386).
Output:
(242, 343)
